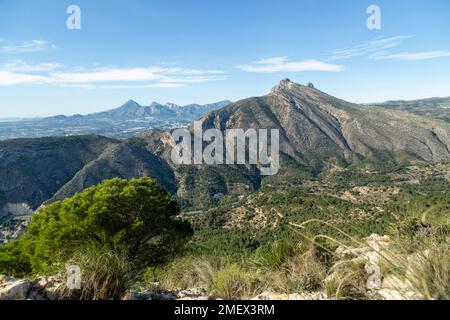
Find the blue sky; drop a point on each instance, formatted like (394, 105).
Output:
(204, 51)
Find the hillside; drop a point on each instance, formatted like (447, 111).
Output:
(438, 108)
(32, 170)
(353, 180)
(318, 128)
(318, 133)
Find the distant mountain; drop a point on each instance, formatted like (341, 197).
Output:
(131, 110)
(438, 108)
(318, 133)
(129, 120)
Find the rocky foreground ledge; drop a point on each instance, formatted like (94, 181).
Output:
(370, 256)
(200, 294)
(48, 288)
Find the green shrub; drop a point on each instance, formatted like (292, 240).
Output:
(275, 255)
(135, 217)
(12, 261)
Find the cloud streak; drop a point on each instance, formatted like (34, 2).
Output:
(380, 44)
(27, 47)
(19, 72)
(282, 64)
(22, 66)
(411, 56)
(11, 78)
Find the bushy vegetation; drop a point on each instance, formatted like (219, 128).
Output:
(280, 240)
(291, 255)
(136, 219)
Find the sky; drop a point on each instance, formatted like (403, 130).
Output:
(203, 51)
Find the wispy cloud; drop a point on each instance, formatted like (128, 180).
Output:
(22, 66)
(106, 75)
(28, 46)
(19, 72)
(282, 64)
(11, 78)
(411, 56)
(380, 44)
(144, 86)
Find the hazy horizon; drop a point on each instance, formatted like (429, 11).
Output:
(13, 118)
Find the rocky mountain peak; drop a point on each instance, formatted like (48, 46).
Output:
(172, 105)
(286, 85)
(155, 104)
(285, 81)
(131, 103)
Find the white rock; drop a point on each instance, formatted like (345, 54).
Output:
(390, 294)
(192, 293)
(268, 296)
(394, 283)
(15, 290)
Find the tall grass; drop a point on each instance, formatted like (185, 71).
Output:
(417, 261)
(218, 276)
(425, 271)
(105, 273)
(415, 264)
(302, 273)
(233, 282)
(274, 256)
(285, 266)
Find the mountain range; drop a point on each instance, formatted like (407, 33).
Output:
(126, 121)
(318, 133)
(132, 110)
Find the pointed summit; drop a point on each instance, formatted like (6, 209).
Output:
(285, 84)
(172, 106)
(285, 81)
(131, 103)
(155, 104)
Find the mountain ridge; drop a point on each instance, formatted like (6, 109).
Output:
(438, 108)
(318, 132)
(132, 109)
(124, 122)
